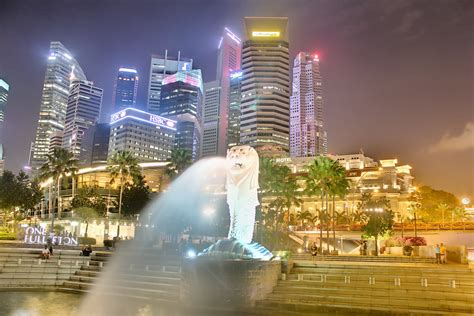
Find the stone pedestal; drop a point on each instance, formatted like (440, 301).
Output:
(227, 284)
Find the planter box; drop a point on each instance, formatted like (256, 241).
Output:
(394, 251)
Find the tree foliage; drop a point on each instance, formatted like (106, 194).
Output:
(435, 205)
(178, 162)
(89, 197)
(136, 196)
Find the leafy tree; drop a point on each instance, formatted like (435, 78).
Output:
(89, 197)
(18, 194)
(178, 162)
(436, 205)
(86, 214)
(123, 168)
(379, 217)
(58, 165)
(303, 216)
(136, 195)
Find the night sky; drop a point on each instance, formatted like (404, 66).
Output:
(398, 75)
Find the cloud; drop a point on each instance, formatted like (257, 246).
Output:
(409, 20)
(455, 142)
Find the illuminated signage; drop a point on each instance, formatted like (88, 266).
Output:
(117, 116)
(142, 116)
(265, 34)
(128, 70)
(236, 74)
(34, 235)
(161, 120)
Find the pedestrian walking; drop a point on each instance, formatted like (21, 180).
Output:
(314, 251)
(438, 254)
(443, 253)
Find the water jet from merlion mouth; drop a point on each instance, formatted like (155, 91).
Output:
(171, 213)
(184, 204)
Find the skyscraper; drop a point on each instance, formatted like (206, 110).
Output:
(265, 86)
(60, 68)
(125, 89)
(307, 134)
(235, 96)
(228, 59)
(83, 111)
(4, 88)
(95, 145)
(210, 118)
(160, 67)
(181, 100)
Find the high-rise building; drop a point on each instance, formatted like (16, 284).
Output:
(4, 88)
(125, 89)
(55, 141)
(235, 96)
(228, 60)
(162, 66)
(181, 100)
(265, 106)
(2, 160)
(147, 136)
(307, 134)
(83, 111)
(210, 118)
(61, 67)
(95, 145)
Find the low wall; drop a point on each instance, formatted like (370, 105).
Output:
(227, 284)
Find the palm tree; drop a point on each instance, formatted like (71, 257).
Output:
(318, 182)
(338, 187)
(59, 164)
(443, 208)
(178, 162)
(123, 167)
(303, 216)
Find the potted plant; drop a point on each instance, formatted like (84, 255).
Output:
(407, 250)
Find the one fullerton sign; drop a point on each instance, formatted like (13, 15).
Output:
(34, 235)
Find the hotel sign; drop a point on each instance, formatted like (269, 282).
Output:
(34, 235)
(265, 34)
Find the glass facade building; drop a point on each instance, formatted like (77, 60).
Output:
(228, 60)
(162, 66)
(235, 96)
(125, 89)
(95, 145)
(83, 111)
(4, 88)
(210, 118)
(181, 100)
(61, 67)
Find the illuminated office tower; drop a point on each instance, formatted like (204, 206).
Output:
(83, 111)
(162, 66)
(228, 60)
(125, 89)
(307, 134)
(95, 145)
(235, 96)
(61, 67)
(265, 106)
(210, 118)
(4, 88)
(181, 100)
(147, 136)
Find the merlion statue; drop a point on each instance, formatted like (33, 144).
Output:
(242, 186)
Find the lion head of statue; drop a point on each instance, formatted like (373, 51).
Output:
(242, 165)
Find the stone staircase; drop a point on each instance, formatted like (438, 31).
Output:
(23, 268)
(150, 276)
(380, 289)
(357, 258)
